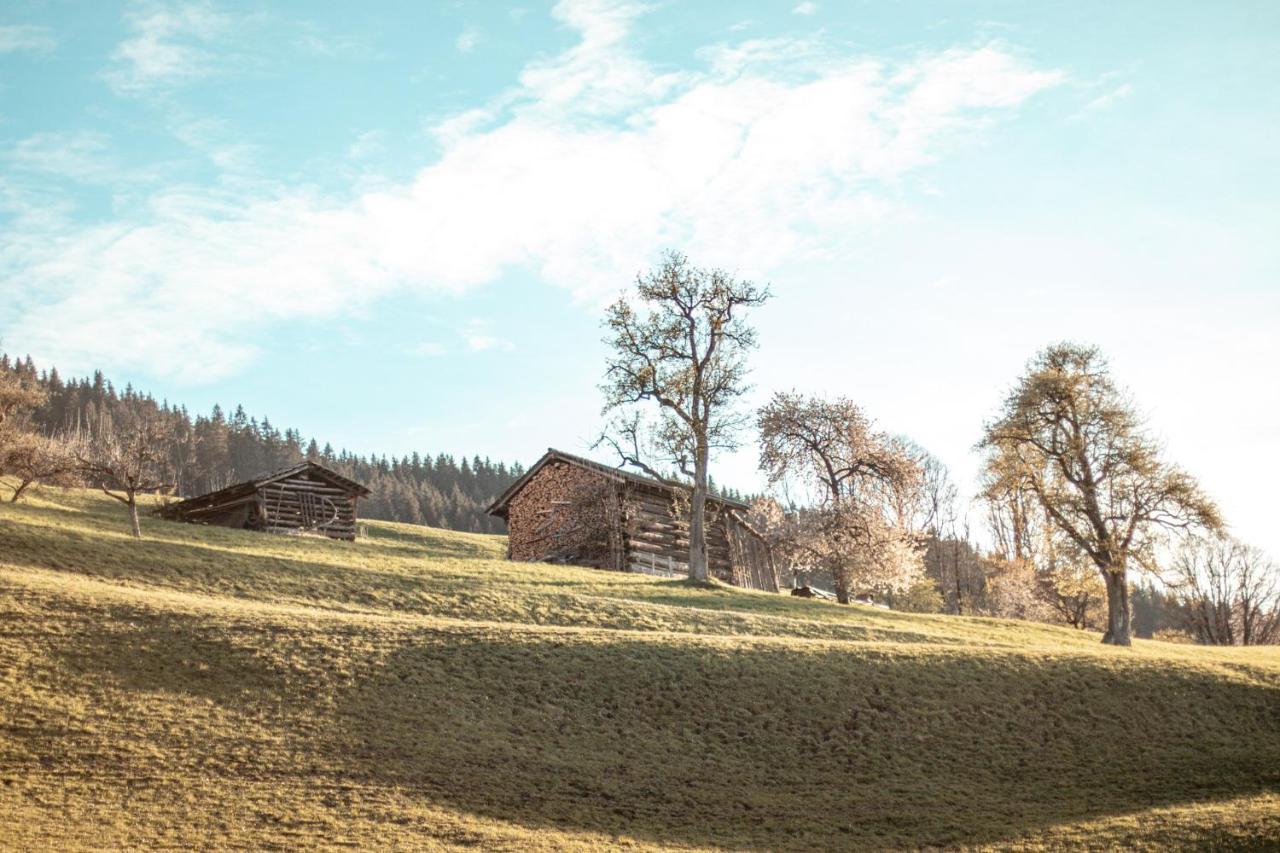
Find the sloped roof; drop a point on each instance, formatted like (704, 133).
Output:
(248, 487)
(499, 506)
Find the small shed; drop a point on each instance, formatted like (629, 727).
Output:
(574, 510)
(303, 498)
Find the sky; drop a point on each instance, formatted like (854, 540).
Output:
(394, 226)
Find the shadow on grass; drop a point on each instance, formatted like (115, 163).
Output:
(159, 651)
(770, 748)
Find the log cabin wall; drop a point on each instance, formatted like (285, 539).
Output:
(572, 510)
(304, 498)
(305, 502)
(569, 514)
(752, 560)
(658, 538)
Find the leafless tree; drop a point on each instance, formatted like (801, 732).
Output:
(25, 455)
(1067, 436)
(126, 453)
(32, 458)
(1229, 591)
(858, 483)
(960, 569)
(680, 341)
(1015, 519)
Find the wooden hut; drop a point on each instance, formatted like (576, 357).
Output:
(573, 510)
(303, 498)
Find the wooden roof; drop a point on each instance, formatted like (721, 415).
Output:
(499, 507)
(244, 489)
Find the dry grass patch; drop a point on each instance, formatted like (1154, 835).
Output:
(413, 690)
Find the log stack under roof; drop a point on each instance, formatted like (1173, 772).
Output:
(303, 498)
(573, 510)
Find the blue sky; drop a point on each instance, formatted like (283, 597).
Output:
(394, 225)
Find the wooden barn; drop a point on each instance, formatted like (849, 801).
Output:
(573, 510)
(303, 498)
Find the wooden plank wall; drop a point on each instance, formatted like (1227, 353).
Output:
(566, 513)
(658, 539)
(753, 564)
(304, 503)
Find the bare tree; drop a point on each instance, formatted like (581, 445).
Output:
(959, 568)
(126, 453)
(858, 483)
(1229, 591)
(1067, 436)
(1014, 518)
(31, 458)
(680, 342)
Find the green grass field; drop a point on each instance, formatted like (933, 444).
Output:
(217, 688)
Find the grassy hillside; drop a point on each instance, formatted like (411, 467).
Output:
(414, 690)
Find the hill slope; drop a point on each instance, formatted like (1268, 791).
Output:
(415, 690)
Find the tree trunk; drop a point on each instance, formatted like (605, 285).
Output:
(698, 519)
(840, 581)
(133, 516)
(1117, 633)
(17, 493)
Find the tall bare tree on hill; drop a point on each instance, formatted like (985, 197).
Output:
(679, 341)
(126, 452)
(1070, 438)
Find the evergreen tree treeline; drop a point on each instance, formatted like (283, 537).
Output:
(215, 450)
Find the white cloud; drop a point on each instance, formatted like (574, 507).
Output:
(19, 37)
(217, 141)
(82, 156)
(167, 45)
(1109, 99)
(806, 8)
(467, 40)
(580, 174)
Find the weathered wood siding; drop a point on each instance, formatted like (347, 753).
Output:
(305, 503)
(305, 497)
(566, 514)
(752, 561)
(658, 537)
(571, 514)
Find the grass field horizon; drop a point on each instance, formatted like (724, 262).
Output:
(413, 689)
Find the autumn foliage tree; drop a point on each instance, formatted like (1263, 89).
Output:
(1070, 439)
(679, 343)
(859, 485)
